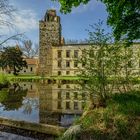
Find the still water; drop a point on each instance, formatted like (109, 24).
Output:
(55, 104)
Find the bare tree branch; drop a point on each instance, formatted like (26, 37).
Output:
(11, 37)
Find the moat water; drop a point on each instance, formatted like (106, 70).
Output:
(55, 104)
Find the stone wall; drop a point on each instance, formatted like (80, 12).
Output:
(49, 35)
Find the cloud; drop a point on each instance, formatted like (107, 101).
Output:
(26, 20)
(23, 21)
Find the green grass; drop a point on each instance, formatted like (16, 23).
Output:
(12, 77)
(3, 78)
(119, 120)
(30, 77)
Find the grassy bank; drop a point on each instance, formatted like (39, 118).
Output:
(4, 82)
(120, 120)
(11, 77)
(37, 78)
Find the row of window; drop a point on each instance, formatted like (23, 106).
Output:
(68, 95)
(68, 53)
(68, 64)
(68, 86)
(67, 106)
(67, 72)
(31, 69)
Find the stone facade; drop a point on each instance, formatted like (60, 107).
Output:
(64, 59)
(50, 35)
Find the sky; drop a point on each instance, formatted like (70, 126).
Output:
(74, 24)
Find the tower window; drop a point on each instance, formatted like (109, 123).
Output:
(67, 105)
(83, 64)
(75, 105)
(31, 69)
(59, 72)
(59, 95)
(67, 86)
(75, 64)
(67, 95)
(59, 86)
(67, 63)
(59, 64)
(59, 54)
(83, 105)
(83, 96)
(76, 53)
(67, 72)
(31, 87)
(68, 53)
(59, 105)
(75, 95)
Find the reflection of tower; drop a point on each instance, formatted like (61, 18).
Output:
(45, 105)
(50, 34)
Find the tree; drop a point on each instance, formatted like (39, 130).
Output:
(11, 58)
(6, 17)
(105, 66)
(28, 49)
(124, 16)
(97, 64)
(66, 5)
(6, 10)
(11, 102)
(72, 41)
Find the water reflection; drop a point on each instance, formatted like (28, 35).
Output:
(56, 104)
(11, 99)
(60, 103)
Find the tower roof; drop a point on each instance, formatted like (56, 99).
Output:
(50, 13)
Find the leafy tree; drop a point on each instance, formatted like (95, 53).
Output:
(11, 58)
(66, 5)
(105, 66)
(124, 16)
(10, 100)
(71, 41)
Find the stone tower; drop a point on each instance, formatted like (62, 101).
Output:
(49, 35)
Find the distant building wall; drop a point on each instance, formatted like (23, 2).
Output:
(32, 66)
(65, 60)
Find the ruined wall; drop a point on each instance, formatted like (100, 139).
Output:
(49, 35)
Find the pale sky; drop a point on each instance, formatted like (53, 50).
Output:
(29, 12)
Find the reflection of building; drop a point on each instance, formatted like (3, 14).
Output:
(32, 89)
(59, 103)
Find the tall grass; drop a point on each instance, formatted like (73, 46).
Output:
(119, 120)
(3, 78)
